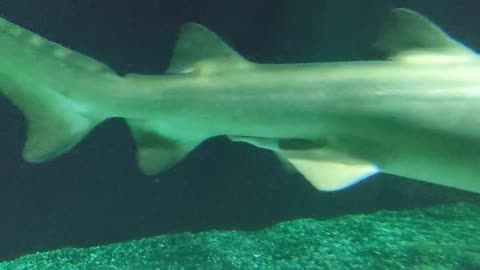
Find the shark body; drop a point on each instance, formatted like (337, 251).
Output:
(415, 114)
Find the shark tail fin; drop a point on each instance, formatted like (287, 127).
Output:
(53, 125)
(35, 77)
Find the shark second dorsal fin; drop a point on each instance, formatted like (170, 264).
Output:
(198, 48)
(408, 35)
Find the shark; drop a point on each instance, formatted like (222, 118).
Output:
(414, 113)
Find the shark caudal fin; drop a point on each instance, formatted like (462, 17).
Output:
(38, 76)
(53, 127)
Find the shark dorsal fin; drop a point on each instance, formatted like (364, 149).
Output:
(408, 35)
(198, 48)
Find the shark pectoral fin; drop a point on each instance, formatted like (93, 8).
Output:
(409, 36)
(155, 152)
(54, 123)
(200, 50)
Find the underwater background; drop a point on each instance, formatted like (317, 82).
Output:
(95, 194)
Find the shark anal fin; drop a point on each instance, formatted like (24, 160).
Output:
(156, 152)
(326, 168)
(408, 35)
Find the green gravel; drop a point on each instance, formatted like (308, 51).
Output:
(443, 237)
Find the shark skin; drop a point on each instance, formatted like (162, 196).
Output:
(414, 114)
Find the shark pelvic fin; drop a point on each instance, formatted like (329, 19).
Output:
(325, 168)
(200, 50)
(156, 152)
(54, 123)
(328, 170)
(408, 35)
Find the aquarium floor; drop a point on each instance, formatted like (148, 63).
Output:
(442, 237)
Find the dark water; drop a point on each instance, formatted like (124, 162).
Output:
(95, 194)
